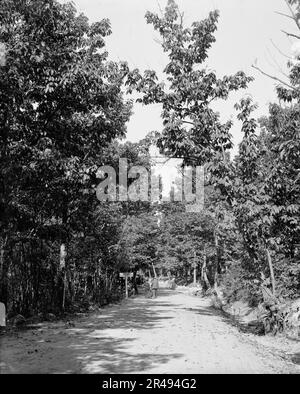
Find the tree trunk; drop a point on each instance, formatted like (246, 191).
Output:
(204, 274)
(4, 267)
(271, 272)
(155, 275)
(62, 260)
(195, 268)
(216, 276)
(2, 243)
(195, 276)
(134, 282)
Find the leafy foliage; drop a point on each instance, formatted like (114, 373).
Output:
(192, 130)
(61, 106)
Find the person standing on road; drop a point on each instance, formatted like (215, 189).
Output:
(154, 287)
(173, 284)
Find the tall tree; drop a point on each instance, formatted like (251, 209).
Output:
(61, 104)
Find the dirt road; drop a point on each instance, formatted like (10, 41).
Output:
(174, 333)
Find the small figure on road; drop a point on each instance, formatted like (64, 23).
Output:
(154, 287)
(173, 284)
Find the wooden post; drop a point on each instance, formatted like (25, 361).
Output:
(126, 285)
(126, 275)
(2, 315)
(64, 290)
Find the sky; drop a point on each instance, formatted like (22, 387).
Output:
(247, 30)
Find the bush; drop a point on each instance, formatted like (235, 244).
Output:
(239, 284)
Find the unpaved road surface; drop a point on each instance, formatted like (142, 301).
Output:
(174, 333)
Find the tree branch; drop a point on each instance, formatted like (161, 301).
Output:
(276, 64)
(274, 78)
(291, 34)
(282, 14)
(187, 122)
(280, 51)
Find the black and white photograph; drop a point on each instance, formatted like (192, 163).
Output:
(149, 190)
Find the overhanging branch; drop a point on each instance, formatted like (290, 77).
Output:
(291, 34)
(275, 78)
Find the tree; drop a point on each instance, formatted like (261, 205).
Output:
(61, 105)
(192, 130)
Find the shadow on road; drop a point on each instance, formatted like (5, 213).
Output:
(98, 353)
(200, 311)
(102, 342)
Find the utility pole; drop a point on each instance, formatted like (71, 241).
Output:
(126, 285)
(126, 275)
